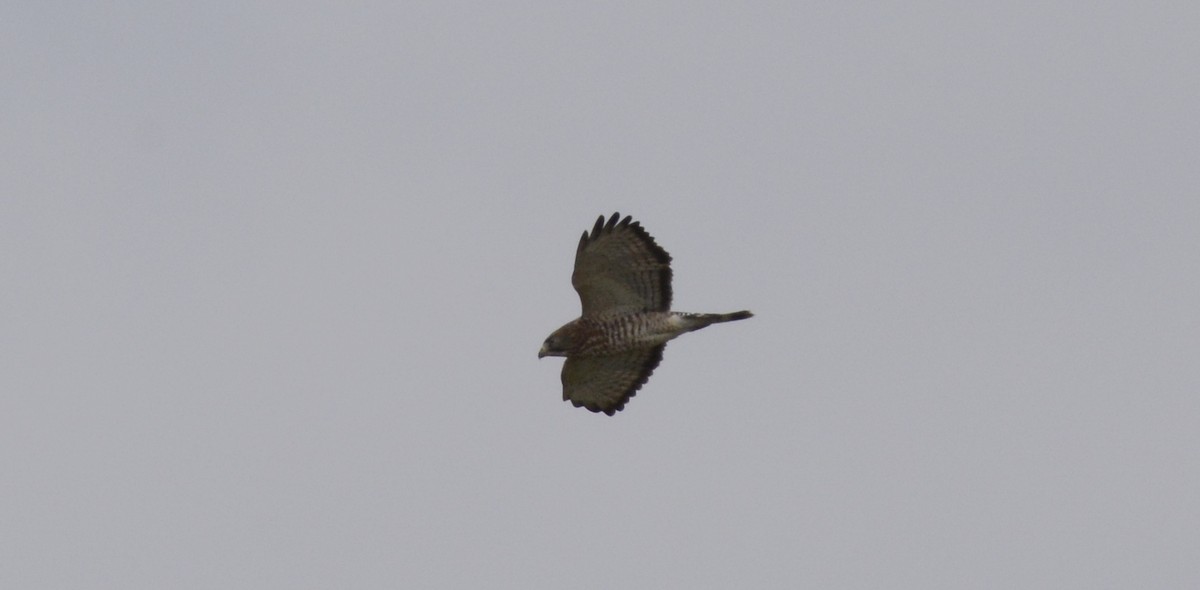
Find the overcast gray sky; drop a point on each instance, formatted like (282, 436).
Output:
(275, 276)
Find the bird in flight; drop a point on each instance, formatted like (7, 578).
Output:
(624, 282)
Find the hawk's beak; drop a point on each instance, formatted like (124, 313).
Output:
(542, 352)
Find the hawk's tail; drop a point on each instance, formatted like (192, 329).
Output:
(717, 318)
(688, 322)
(695, 321)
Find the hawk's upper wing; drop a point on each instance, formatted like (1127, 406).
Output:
(619, 267)
(605, 383)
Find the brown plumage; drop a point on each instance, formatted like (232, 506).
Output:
(624, 283)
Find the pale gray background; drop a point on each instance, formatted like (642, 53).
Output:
(275, 276)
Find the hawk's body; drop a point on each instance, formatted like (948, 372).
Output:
(624, 282)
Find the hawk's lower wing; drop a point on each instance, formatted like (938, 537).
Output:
(605, 383)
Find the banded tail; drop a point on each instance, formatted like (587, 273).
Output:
(716, 318)
(695, 321)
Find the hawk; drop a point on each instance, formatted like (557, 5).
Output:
(624, 282)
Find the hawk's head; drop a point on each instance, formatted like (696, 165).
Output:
(560, 342)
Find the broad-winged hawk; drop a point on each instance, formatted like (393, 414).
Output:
(624, 282)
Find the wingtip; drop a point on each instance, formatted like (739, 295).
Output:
(597, 408)
(607, 224)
